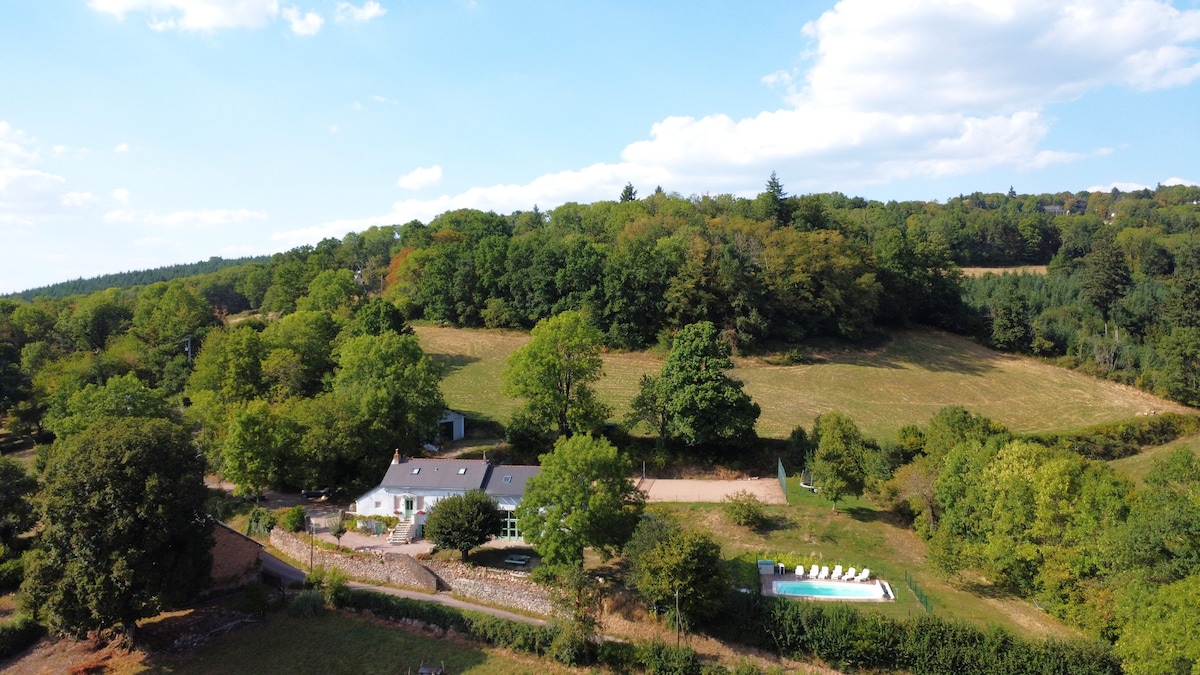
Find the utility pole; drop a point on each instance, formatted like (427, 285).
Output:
(677, 619)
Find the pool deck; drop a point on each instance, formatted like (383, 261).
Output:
(768, 588)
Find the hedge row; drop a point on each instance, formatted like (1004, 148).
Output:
(843, 636)
(17, 635)
(12, 572)
(1114, 440)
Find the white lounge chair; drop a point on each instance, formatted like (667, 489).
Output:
(812, 572)
(824, 574)
(849, 575)
(863, 575)
(837, 572)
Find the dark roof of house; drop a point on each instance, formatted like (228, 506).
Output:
(509, 480)
(441, 474)
(505, 480)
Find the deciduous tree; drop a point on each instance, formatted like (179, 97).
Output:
(462, 522)
(582, 498)
(124, 534)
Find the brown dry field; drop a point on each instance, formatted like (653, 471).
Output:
(906, 381)
(663, 490)
(980, 271)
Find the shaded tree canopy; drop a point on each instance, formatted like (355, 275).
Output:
(462, 522)
(124, 533)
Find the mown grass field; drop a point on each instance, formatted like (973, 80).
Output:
(1136, 467)
(905, 381)
(342, 643)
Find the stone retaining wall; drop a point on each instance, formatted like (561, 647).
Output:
(392, 568)
(494, 587)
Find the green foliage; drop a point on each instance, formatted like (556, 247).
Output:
(582, 498)
(124, 396)
(294, 519)
(838, 463)
(12, 573)
(745, 509)
(16, 513)
(307, 604)
(698, 402)
(671, 567)
(462, 522)
(554, 374)
(1113, 440)
(1163, 635)
(660, 658)
(18, 634)
(260, 522)
(123, 530)
(125, 280)
(576, 600)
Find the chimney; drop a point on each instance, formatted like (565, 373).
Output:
(396, 457)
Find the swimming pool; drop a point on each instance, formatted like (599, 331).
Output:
(834, 590)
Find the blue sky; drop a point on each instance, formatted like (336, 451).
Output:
(139, 133)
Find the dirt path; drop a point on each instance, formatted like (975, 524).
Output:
(662, 490)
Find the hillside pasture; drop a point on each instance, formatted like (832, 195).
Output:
(1137, 466)
(912, 376)
(1019, 269)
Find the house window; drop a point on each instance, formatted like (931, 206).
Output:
(510, 530)
(507, 479)
(378, 503)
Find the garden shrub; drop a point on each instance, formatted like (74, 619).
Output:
(294, 518)
(307, 604)
(11, 573)
(261, 522)
(18, 635)
(744, 509)
(658, 658)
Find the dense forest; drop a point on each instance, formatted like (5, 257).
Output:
(301, 369)
(123, 280)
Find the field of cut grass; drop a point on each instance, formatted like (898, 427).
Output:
(905, 381)
(343, 643)
(857, 535)
(1137, 466)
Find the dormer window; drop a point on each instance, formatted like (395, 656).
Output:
(416, 470)
(462, 471)
(506, 479)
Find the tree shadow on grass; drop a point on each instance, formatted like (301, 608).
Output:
(930, 351)
(864, 514)
(453, 362)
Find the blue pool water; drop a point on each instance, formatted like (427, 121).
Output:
(816, 588)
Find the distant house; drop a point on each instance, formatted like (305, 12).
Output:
(411, 487)
(452, 426)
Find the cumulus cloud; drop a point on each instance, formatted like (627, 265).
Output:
(421, 178)
(121, 149)
(121, 195)
(193, 15)
(369, 10)
(1176, 180)
(16, 147)
(305, 24)
(77, 200)
(889, 90)
(178, 219)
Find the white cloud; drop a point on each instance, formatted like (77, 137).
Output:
(77, 200)
(193, 15)
(333, 129)
(369, 10)
(420, 178)
(16, 147)
(198, 218)
(1123, 186)
(121, 195)
(889, 90)
(303, 24)
(1176, 180)
(382, 99)
(60, 149)
(121, 149)
(357, 106)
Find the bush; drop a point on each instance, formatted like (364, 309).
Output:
(658, 658)
(1113, 440)
(744, 509)
(294, 518)
(306, 604)
(18, 635)
(11, 574)
(261, 522)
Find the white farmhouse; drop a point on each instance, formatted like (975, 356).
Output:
(411, 487)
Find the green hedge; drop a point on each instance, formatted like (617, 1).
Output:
(18, 635)
(847, 638)
(12, 572)
(1114, 440)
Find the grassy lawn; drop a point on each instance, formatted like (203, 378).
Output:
(808, 530)
(1136, 467)
(905, 381)
(341, 643)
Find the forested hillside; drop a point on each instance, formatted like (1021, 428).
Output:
(130, 279)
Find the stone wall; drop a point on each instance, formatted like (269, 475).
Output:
(494, 587)
(396, 569)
